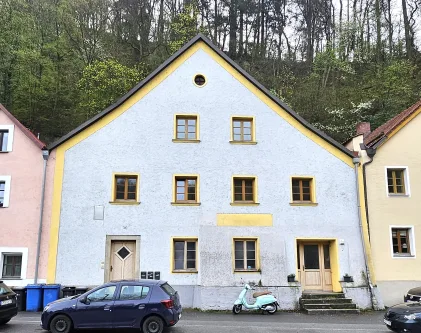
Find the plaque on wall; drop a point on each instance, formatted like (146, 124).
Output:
(143, 275)
(150, 275)
(157, 275)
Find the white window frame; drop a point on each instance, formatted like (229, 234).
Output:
(411, 241)
(7, 180)
(11, 130)
(14, 250)
(406, 180)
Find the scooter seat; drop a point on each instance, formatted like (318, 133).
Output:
(261, 293)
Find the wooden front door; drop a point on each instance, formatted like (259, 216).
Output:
(314, 266)
(123, 260)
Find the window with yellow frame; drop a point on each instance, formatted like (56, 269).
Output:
(125, 188)
(246, 254)
(184, 255)
(303, 190)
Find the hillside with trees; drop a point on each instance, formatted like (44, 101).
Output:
(335, 62)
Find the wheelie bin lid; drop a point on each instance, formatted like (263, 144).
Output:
(51, 286)
(34, 286)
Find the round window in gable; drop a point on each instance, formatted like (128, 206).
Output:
(200, 80)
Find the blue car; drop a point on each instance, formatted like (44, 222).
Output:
(149, 305)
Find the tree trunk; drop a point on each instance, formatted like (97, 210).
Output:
(241, 42)
(408, 37)
(233, 29)
(215, 22)
(309, 32)
(379, 32)
(262, 28)
(161, 24)
(390, 26)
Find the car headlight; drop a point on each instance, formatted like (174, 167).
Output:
(412, 316)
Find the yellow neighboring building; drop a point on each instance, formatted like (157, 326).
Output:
(392, 161)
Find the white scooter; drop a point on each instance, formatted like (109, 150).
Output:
(264, 301)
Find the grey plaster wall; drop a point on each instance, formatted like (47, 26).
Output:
(140, 141)
(392, 292)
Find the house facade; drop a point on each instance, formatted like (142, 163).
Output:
(22, 168)
(199, 176)
(393, 191)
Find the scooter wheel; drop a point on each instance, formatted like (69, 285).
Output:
(236, 309)
(274, 310)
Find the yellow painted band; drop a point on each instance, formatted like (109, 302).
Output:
(244, 220)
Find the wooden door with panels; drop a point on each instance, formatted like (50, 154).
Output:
(314, 266)
(123, 260)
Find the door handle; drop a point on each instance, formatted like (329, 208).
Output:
(141, 306)
(107, 308)
(111, 268)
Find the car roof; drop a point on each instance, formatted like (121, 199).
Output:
(142, 281)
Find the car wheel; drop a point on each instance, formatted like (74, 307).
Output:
(236, 309)
(61, 324)
(153, 324)
(4, 321)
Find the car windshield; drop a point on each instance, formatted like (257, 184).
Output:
(4, 289)
(168, 289)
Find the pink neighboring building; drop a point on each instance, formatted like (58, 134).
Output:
(23, 166)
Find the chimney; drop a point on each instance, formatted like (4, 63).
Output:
(363, 128)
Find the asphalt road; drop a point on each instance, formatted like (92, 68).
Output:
(195, 322)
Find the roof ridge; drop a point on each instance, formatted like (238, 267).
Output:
(23, 128)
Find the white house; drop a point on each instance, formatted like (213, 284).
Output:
(199, 176)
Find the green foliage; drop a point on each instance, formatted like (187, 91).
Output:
(184, 27)
(103, 82)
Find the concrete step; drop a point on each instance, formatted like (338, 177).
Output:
(330, 306)
(304, 301)
(330, 311)
(320, 295)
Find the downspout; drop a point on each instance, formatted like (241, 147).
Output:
(373, 299)
(45, 155)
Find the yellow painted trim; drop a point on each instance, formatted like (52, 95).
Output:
(186, 204)
(174, 189)
(187, 115)
(312, 192)
(255, 190)
(244, 220)
(172, 257)
(365, 225)
(243, 142)
(206, 80)
(125, 202)
(334, 258)
(311, 204)
(243, 238)
(253, 129)
(402, 125)
(61, 149)
(278, 109)
(185, 141)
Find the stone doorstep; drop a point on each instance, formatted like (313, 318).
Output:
(331, 306)
(325, 300)
(322, 295)
(330, 311)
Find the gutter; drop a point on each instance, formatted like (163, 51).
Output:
(45, 155)
(373, 299)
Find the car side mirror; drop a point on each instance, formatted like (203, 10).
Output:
(85, 300)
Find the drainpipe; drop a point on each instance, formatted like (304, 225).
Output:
(373, 299)
(45, 155)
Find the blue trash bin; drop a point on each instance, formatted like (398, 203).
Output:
(51, 293)
(34, 297)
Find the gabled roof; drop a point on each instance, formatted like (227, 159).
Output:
(201, 37)
(26, 131)
(384, 131)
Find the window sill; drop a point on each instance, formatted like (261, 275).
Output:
(397, 195)
(185, 141)
(11, 278)
(247, 271)
(185, 271)
(303, 203)
(185, 204)
(125, 203)
(244, 203)
(243, 142)
(4, 151)
(403, 256)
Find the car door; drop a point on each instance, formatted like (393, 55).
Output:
(94, 310)
(130, 305)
